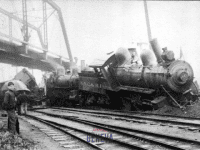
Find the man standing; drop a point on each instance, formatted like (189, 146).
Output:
(22, 100)
(9, 105)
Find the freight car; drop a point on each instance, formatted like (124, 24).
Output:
(121, 82)
(36, 94)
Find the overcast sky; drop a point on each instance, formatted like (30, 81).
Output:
(96, 27)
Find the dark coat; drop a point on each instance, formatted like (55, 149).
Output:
(9, 101)
(22, 98)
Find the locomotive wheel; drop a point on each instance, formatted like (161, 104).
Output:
(52, 101)
(81, 102)
(115, 100)
(48, 102)
(126, 104)
(90, 100)
(82, 98)
(103, 100)
(66, 100)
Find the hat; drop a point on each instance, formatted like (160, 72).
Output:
(10, 83)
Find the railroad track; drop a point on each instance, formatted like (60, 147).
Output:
(135, 139)
(82, 134)
(191, 124)
(59, 134)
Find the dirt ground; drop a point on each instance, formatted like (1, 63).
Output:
(190, 111)
(30, 138)
(13, 142)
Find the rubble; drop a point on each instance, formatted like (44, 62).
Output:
(9, 141)
(190, 111)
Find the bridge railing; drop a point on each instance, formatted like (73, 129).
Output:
(8, 20)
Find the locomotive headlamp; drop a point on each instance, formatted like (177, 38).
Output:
(182, 76)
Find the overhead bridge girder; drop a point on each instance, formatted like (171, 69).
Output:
(14, 54)
(62, 23)
(11, 16)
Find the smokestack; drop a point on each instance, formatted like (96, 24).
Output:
(156, 49)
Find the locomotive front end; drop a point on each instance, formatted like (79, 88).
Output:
(62, 87)
(180, 76)
(171, 78)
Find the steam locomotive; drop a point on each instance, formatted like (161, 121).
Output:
(122, 82)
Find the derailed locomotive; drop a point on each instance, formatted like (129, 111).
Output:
(122, 83)
(61, 88)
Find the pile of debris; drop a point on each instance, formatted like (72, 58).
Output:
(9, 141)
(190, 111)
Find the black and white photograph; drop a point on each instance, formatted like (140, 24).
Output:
(99, 75)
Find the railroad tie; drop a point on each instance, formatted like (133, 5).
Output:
(193, 129)
(98, 143)
(54, 134)
(72, 146)
(184, 146)
(66, 142)
(58, 136)
(60, 139)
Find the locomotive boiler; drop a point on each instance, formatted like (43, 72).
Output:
(128, 84)
(120, 81)
(61, 87)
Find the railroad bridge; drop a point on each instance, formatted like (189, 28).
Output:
(19, 51)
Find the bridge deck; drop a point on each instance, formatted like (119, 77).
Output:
(15, 54)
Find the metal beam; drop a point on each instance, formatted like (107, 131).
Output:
(45, 25)
(46, 19)
(21, 21)
(62, 23)
(30, 45)
(25, 19)
(19, 60)
(9, 53)
(25, 26)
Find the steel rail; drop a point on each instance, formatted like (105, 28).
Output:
(124, 130)
(56, 126)
(167, 120)
(53, 124)
(128, 112)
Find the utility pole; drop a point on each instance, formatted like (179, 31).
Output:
(45, 25)
(153, 42)
(147, 21)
